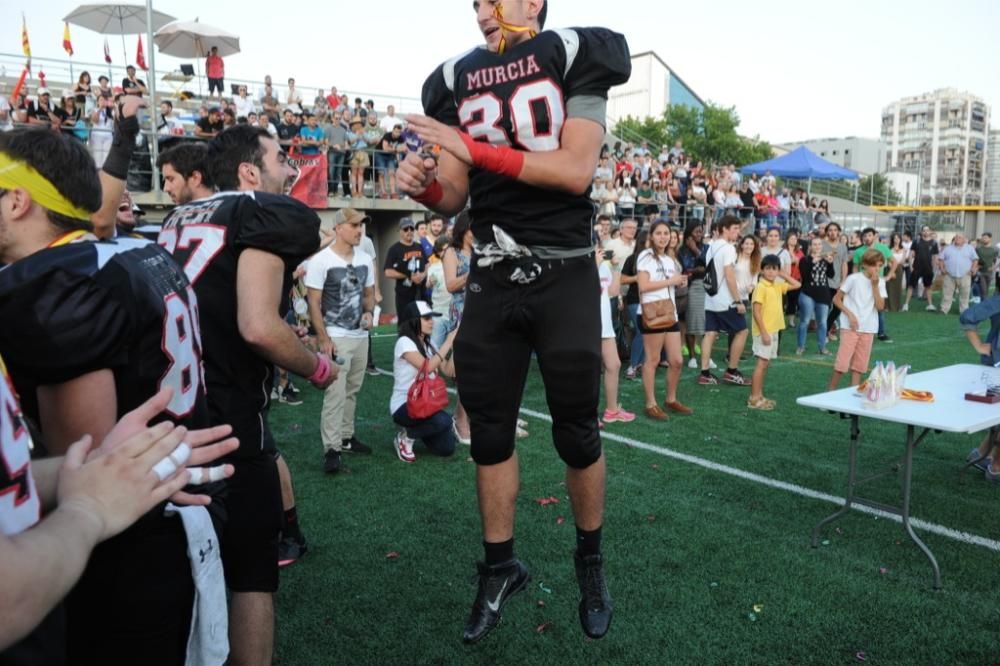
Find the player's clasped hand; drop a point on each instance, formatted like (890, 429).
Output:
(415, 173)
(114, 489)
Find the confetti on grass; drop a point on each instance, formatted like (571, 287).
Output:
(560, 520)
(543, 626)
(546, 590)
(391, 555)
(545, 501)
(861, 656)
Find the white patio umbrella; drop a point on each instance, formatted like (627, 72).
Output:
(118, 19)
(191, 39)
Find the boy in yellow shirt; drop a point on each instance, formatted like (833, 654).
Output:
(768, 319)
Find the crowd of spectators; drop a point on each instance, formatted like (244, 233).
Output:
(633, 182)
(362, 145)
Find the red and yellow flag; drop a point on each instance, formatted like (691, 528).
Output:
(67, 44)
(25, 44)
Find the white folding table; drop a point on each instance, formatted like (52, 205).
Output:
(949, 412)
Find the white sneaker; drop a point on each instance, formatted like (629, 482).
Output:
(975, 299)
(693, 364)
(712, 365)
(520, 432)
(404, 447)
(905, 308)
(521, 423)
(930, 307)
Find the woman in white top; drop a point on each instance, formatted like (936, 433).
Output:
(414, 349)
(747, 267)
(610, 288)
(657, 276)
(102, 125)
(440, 296)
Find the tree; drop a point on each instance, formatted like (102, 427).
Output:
(876, 190)
(708, 134)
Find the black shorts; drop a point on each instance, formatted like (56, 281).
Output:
(557, 316)
(215, 84)
(729, 321)
(133, 603)
(925, 275)
(252, 515)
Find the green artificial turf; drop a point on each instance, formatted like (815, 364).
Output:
(690, 550)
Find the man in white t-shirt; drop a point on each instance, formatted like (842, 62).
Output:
(341, 296)
(724, 312)
(623, 246)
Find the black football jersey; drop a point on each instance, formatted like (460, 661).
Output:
(123, 305)
(206, 237)
(519, 99)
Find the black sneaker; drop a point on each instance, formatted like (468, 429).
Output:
(596, 606)
(290, 551)
(354, 445)
(291, 388)
(372, 370)
(289, 398)
(884, 338)
(331, 462)
(497, 584)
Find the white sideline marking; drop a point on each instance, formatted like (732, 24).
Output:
(917, 523)
(964, 537)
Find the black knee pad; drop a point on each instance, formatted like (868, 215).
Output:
(578, 444)
(491, 448)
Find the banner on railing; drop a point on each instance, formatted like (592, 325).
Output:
(310, 187)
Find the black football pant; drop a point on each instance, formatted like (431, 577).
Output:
(557, 316)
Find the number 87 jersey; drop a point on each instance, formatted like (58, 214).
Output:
(522, 98)
(123, 305)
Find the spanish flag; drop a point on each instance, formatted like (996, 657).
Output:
(67, 44)
(25, 44)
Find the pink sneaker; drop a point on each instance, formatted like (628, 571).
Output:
(620, 416)
(404, 447)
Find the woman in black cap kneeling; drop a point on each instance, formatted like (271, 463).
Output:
(414, 350)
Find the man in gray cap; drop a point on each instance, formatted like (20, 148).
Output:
(405, 263)
(341, 296)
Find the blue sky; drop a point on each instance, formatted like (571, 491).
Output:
(793, 70)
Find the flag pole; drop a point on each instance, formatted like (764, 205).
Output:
(153, 147)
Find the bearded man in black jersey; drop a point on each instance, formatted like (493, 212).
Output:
(520, 124)
(239, 248)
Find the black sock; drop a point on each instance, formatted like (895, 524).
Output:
(733, 371)
(291, 527)
(706, 373)
(498, 553)
(588, 542)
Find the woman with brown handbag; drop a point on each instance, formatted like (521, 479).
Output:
(657, 276)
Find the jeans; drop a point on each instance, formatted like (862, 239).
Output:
(435, 432)
(638, 351)
(881, 323)
(335, 169)
(809, 309)
(442, 326)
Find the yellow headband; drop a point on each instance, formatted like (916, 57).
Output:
(17, 174)
(508, 27)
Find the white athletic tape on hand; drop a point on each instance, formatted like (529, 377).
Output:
(207, 474)
(167, 466)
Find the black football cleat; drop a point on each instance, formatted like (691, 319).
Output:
(497, 584)
(596, 606)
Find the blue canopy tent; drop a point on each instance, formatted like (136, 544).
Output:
(801, 163)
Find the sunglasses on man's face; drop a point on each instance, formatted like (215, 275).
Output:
(407, 228)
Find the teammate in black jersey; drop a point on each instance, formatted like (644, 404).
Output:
(529, 111)
(239, 249)
(94, 499)
(92, 330)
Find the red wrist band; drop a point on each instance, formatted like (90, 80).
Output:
(432, 194)
(498, 159)
(322, 372)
